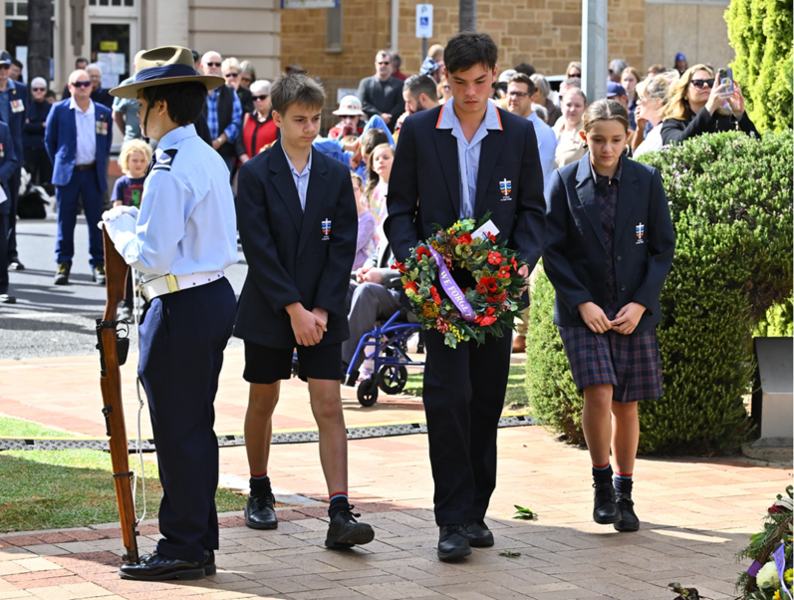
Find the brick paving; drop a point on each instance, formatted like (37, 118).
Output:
(696, 514)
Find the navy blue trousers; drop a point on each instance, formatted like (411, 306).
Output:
(83, 183)
(464, 392)
(182, 341)
(4, 253)
(13, 198)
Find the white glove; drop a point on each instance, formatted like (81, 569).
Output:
(117, 211)
(118, 224)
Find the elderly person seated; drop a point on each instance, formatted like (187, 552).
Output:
(259, 129)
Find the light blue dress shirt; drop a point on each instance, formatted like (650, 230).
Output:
(187, 221)
(86, 133)
(468, 151)
(301, 179)
(547, 146)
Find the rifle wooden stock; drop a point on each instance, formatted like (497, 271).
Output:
(110, 382)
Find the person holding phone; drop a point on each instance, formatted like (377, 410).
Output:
(609, 247)
(696, 105)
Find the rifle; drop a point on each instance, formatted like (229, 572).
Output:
(113, 354)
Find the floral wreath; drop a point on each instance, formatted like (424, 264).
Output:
(468, 313)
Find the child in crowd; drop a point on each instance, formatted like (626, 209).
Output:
(296, 215)
(370, 139)
(366, 224)
(134, 160)
(608, 273)
(378, 173)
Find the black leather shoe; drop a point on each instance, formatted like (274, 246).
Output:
(478, 534)
(209, 563)
(453, 543)
(345, 532)
(7, 299)
(157, 567)
(628, 518)
(15, 265)
(605, 510)
(260, 511)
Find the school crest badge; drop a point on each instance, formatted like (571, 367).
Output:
(326, 229)
(506, 186)
(639, 231)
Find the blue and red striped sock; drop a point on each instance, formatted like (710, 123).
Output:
(339, 502)
(623, 484)
(602, 473)
(260, 483)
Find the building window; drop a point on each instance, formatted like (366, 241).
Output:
(17, 8)
(111, 3)
(333, 31)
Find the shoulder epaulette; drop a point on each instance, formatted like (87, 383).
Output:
(166, 160)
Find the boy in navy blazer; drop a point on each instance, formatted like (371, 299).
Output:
(78, 137)
(8, 164)
(461, 160)
(298, 224)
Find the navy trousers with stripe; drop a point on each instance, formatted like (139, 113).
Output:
(182, 341)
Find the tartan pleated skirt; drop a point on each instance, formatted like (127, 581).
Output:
(631, 363)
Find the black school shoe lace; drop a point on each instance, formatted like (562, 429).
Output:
(628, 518)
(345, 532)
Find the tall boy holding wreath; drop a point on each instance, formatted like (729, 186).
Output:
(461, 160)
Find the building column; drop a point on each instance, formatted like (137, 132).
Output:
(594, 49)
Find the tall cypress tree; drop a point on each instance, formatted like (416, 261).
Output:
(760, 32)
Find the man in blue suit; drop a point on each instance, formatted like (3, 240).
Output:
(8, 164)
(13, 112)
(78, 137)
(454, 162)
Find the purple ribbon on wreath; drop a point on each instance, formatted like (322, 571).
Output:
(451, 288)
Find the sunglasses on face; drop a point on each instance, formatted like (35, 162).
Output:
(262, 97)
(230, 75)
(517, 94)
(81, 84)
(245, 78)
(384, 63)
(213, 64)
(5, 66)
(39, 89)
(699, 83)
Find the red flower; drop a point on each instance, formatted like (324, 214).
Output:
(434, 293)
(494, 258)
(490, 283)
(422, 251)
(399, 266)
(465, 239)
(492, 237)
(490, 310)
(480, 289)
(484, 320)
(411, 285)
(513, 262)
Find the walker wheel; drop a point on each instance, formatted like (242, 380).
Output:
(392, 378)
(368, 391)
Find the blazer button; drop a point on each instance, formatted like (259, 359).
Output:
(622, 288)
(618, 259)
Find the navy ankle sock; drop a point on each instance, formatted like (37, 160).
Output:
(602, 474)
(623, 484)
(260, 484)
(339, 502)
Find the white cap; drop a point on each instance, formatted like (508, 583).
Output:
(506, 75)
(349, 106)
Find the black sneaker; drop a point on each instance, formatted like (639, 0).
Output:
(453, 543)
(628, 518)
(15, 265)
(260, 511)
(7, 299)
(605, 509)
(345, 532)
(62, 274)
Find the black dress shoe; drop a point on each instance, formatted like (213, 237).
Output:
(209, 563)
(15, 265)
(453, 543)
(157, 567)
(260, 511)
(628, 518)
(7, 299)
(605, 510)
(478, 534)
(345, 532)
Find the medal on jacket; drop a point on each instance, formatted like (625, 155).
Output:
(102, 127)
(2, 151)
(506, 186)
(17, 106)
(639, 230)
(326, 229)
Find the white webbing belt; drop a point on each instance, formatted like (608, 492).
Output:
(168, 284)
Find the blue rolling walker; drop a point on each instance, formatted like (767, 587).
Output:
(389, 351)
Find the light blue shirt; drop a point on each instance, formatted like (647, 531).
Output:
(86, 133)
(547, 146)
(187, 222)
(301, 179)
(468, 151)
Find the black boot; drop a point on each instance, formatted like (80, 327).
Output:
(260, 511)
(345, 532)
(605, 510)
(479, 535)
(453, 543)
(628, 518)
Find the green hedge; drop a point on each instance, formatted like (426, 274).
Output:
(731, 203)
(760, 32)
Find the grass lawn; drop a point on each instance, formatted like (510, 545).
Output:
(516, 395)
(48, 489)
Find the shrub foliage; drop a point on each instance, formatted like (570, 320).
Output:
(731, 202)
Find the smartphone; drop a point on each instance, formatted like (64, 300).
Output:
(725, 76)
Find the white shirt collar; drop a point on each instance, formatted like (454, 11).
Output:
(73, 106)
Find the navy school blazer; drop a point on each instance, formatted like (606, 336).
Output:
(9, 162)
(574, 255)
(292, 255)
(424, 187)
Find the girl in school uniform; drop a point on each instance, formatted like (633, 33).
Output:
(609, 247)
